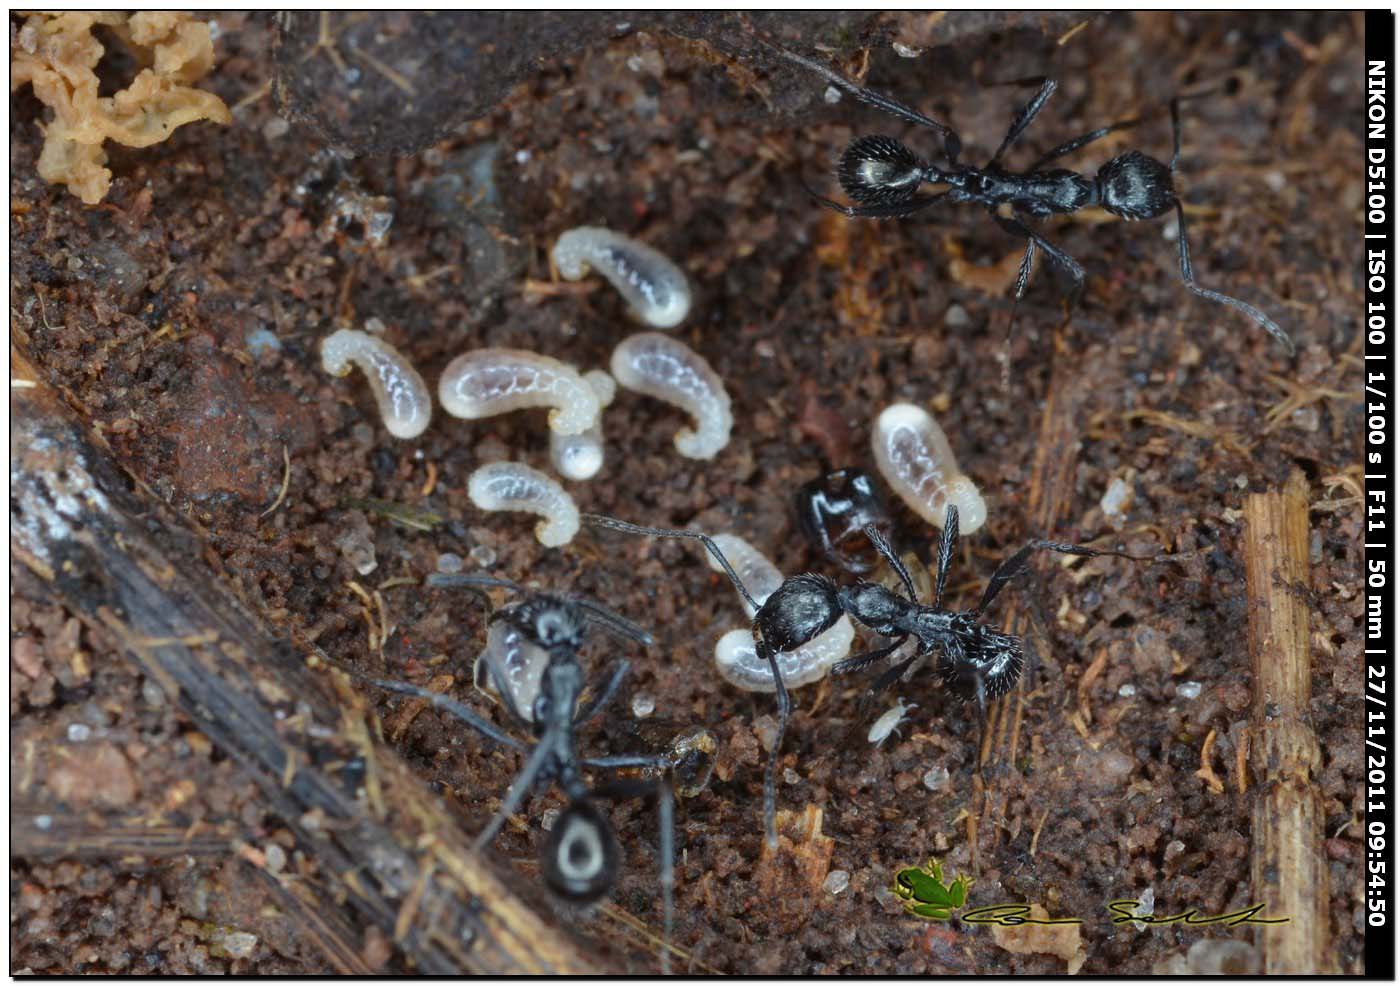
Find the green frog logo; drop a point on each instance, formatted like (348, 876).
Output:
(925, 895)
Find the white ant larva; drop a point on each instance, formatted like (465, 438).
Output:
(913, 455)
(518, 661)
(736, 655)
(487, 382)
(890, 721)
(581, 456)
(403, 398)
(515, 486)
(654, 287)
(662, 367)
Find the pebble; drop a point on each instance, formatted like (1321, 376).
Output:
(152, 693)
(79, 732)
(936, 778)
(1188, 690)
(1114, 500)
(448, 563)
(832, 95)
(276, 858)
(956, 317)
(1222, 956)
(482, 556)
(1146, 905)
(791, 776)
(235, 944)
(1127, 691)
(766, 729)
(547, 820)
(643, 705)
(836, 881)
(276, 127)
(356, 543)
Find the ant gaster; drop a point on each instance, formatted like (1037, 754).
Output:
(975, 660)
(884, 177)
(580, 857)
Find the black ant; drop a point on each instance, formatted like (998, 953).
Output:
(975, 660)
(884, 177)
(535, 671)
(833, 509)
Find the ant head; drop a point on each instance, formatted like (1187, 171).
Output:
(552, 623)
(580, 857)
(879, 170)
(832, 511)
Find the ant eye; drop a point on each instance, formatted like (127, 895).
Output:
(879, 170)
(580, 857)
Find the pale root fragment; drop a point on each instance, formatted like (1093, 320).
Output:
(404, 400)
(515, 486)
(913, 455)
(580, 456)
(662, 367)
(57, 55)
(654, 287)
(486, 382)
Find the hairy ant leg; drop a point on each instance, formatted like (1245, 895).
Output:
(1027, 114)
(765, 650)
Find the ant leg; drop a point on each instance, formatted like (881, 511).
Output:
(888, 210)
(1067, 263)
(887, 553)
(439, 580)
(611, 523)
(613, 622)
(453, 708)
(1023, 277)
(1176, 134)
(1025, 116)
(604, 696)
(1188, 275)
(519, 787)
(892, 675)
(1070, 146)
(952, 143)
(946, 545)
(666, 823)
(1017, 563)
(863, 661)
(770, 778)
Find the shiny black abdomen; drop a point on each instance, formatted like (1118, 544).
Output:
(1135, 186)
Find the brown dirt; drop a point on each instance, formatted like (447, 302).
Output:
(183, 314)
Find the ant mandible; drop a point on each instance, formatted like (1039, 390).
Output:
(539, 680)
(884, 177)
(975, 660)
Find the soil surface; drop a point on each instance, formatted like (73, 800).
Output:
(184, 313)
